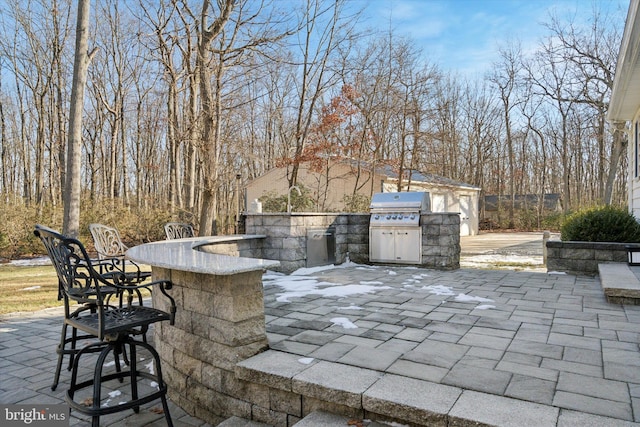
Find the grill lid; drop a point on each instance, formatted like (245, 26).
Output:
(417, 201)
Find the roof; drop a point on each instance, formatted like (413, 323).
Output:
(625, 96)
(429, 178)
(386, 170)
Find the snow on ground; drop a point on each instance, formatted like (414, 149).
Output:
(299, 284)
(344, 322)
(469, 298)
(300, 288)
(504, 262)
(439, 290)
(30, 262)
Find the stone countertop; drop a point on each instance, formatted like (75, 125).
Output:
(183, 255)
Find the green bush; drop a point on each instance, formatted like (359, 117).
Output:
(601, 224)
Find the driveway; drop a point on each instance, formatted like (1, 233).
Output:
(511, 251)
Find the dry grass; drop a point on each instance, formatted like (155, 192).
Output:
(29, 288)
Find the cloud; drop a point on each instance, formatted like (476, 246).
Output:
(465, 35)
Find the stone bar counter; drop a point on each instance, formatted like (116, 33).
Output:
(220, 321)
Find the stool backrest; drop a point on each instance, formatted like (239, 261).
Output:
(107, 241)
(77, 278)
(178, 230)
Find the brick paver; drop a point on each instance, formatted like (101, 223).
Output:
(548, 342)
(549, 339)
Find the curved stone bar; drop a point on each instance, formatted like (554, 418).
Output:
(194, 254)
(220, 321)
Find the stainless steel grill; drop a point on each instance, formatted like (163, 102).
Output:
(395, 232)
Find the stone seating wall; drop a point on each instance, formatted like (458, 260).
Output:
(582, 258)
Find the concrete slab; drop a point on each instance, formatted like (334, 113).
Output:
(619, 283)
(241, 422)
(273, 368)
(411, 400)
(475, 408)
(570, 418)
(325, 419)
(335, 382)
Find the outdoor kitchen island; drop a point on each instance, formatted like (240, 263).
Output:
(220, 321)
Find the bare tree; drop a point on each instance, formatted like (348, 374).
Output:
(320, 39)
(592, 53)
(71, 217)
(505, 78)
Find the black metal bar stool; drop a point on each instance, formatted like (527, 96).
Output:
(113, 327)
(109, 263)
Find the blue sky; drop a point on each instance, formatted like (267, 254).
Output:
(463, 35)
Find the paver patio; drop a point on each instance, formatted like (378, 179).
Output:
(546, 339)
(551, 339)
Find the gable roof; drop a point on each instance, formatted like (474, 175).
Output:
(428, 178)
(388, 172)
(625, 98)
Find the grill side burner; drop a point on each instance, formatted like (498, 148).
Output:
(395, 232)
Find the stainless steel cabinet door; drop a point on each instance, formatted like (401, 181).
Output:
(381, 244)
(408, 245)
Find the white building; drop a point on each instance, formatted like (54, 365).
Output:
(341, 178)
(624, 106)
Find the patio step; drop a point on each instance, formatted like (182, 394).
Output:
(314, 419)
(620, 283)
(241, 422)
(343, 392)
(326, 419)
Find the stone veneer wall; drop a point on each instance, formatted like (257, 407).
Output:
(286, 237)
(220, 322)
(583, 257)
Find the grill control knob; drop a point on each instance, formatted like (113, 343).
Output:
(376, 217)
(395, 216)
(388, 216)
(412, 216)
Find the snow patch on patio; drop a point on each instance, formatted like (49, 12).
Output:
(469, 298)
(344, 322)
(299, 284)
(351, 307)
(439, 290)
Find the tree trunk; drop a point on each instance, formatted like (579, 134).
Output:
(71, 217)
(619, 146)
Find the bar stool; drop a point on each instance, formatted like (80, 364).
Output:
(178, 230)
(110, 262)
(112, 327)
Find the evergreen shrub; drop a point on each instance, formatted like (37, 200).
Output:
(601, 224)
